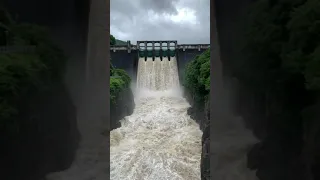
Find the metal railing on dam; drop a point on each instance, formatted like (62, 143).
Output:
(158, 45)
(126, 56)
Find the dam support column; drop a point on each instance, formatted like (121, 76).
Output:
(94, 120)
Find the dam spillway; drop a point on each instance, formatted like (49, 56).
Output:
(159, 140)
(127, 56)
(157, 74)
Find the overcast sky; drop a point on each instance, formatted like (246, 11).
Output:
(187, 21)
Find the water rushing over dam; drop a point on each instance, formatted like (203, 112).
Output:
(158, 75)
(159, 141)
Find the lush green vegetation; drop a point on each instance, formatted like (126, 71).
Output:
(282, 43)
(282, 55)
(114, 41)
(197, 77)
(279, 70)
(25, 74)
(119, 42)
(119, 78)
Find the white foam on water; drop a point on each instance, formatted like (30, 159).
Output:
(159, 141)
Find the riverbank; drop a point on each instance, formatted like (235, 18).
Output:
(196, 90)
(159, 140)
(121, 97)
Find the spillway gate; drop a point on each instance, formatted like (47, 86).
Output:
(153, 49)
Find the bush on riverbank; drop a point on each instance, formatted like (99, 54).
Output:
(197, 85)
(197, 77)
(119, 80)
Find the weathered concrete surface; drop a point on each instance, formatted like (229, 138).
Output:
(126, 61)
(92, 155)
(184, 57)
(129, 61)
(92, 158)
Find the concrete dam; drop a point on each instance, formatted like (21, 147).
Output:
(159, 140)
(126, 56)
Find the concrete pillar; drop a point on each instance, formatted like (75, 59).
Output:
(93, 119)
(153, 51)
(129, 46)
(97, 43)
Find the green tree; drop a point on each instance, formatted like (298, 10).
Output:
(119, 81)
(112, 40)
(280, 67)
(197, 77)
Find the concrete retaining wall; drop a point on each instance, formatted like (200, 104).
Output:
(126, 58)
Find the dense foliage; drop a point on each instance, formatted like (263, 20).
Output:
(24, 74)
(282, 51)
(197, 76)
(119, 42)
(119, 80)
(124, 76)
(282, 41)
(112, 40)
(280, 68)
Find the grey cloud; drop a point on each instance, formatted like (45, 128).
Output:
(130, 21)
(161, 6)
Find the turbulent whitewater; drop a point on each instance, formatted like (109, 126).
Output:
(159, 141)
